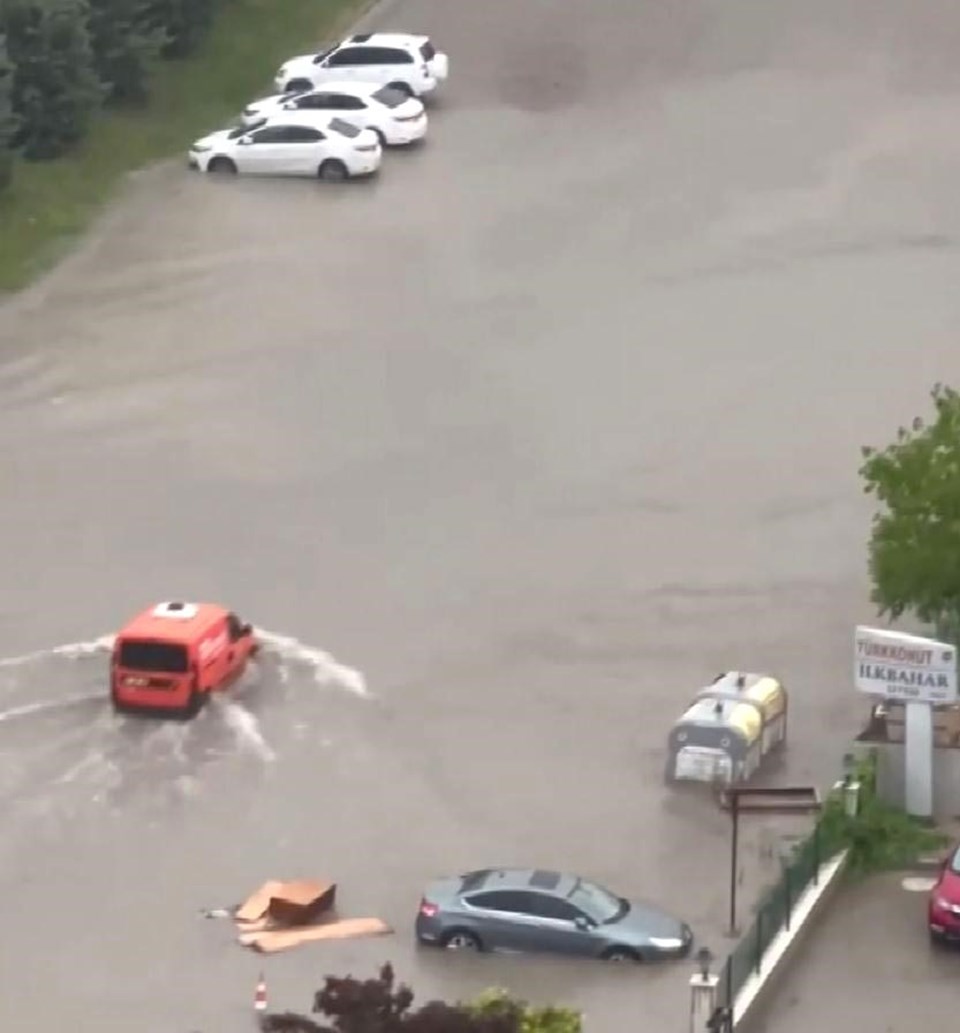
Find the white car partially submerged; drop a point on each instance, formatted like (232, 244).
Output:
(395, 117)
(405, 61)
(331, 149)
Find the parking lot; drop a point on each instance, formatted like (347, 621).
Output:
(540, 430)
(867, 964)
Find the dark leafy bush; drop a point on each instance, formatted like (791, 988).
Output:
(380, 1006)
(8, 123)
(182, 23)
(55, 90)
(880, 837)
(123, 43)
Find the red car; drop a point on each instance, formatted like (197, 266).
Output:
(944, 909)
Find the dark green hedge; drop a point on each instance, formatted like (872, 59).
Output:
(62, 60)
(8, 123)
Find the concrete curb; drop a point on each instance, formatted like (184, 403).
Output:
(810, 903)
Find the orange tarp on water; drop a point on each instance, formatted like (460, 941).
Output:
(272, 941)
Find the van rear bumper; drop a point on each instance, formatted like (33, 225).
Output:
(151, 701)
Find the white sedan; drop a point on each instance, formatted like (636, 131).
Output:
(333, 149)
(394, 116)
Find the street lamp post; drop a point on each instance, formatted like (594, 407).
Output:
(703, 992)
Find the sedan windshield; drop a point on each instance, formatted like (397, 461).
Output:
(241, 130)
(954, 861)
(601, 905)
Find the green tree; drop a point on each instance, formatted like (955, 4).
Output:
(55, 88)
(8, 123)
(123, 43)
(183, 24)
(915, 537)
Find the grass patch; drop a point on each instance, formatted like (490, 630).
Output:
(50, 203)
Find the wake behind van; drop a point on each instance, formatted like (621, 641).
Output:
(168, 659)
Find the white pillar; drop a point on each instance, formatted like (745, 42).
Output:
(703, 1001)
(918, 759)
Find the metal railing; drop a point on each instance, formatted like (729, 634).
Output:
(776, 908)
(775, 912)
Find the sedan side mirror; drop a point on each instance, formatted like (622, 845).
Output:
(289, 106)
(583, 924)
(244, 140)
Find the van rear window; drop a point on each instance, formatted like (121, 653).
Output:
(153, 656)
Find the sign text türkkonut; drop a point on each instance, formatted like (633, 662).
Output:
(904, 667)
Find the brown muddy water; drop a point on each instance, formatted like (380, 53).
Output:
(539, 431)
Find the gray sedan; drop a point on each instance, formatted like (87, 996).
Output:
(516, 910)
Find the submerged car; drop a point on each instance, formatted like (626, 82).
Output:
(524, 910)
(943, 912)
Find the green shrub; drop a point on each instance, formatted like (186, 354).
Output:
(55, 89)
(123, 44)
(380, 1005)
(183, 24)
(7, 121)
(880, 837)
(527, 1018)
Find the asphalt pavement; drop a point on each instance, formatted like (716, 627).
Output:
(539, 431)
(867, 964)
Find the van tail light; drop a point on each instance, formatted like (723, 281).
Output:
(427, 909)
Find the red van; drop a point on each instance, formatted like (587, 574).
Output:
(168, 659)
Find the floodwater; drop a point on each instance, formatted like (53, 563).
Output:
(538, 432)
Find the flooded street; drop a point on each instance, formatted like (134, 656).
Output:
(538, 432)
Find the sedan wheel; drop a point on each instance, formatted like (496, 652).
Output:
(461, 940)
(333, 171)
(222, 167)
(620, 954)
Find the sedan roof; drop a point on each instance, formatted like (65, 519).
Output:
(518, 878)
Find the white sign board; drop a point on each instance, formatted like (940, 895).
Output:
(904, 667)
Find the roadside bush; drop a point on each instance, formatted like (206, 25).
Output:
(182, 23)
(123, 43)
(880, 837)
(379, 1006)
(7, 122)
(55, 89)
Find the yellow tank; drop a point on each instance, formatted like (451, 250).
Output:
(746, 720)
(767, 697)
(769, 693)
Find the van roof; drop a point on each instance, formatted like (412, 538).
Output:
(173, 622)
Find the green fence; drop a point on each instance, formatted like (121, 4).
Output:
(775, 912)
(776, 908)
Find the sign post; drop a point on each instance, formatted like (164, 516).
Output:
(920, 673)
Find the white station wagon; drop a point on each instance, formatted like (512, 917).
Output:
(406, 62)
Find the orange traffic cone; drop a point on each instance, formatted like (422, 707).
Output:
(260, 995)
